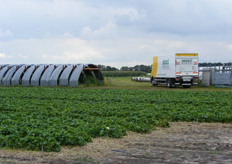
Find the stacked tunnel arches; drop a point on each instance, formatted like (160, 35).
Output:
(49, 75)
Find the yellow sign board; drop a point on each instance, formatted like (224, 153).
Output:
(186, 54)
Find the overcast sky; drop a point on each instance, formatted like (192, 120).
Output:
(113, 32)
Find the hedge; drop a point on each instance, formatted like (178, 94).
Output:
(123, 73)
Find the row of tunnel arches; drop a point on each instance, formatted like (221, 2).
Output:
(49, 75)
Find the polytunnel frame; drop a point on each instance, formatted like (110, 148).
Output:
(75, 76)
(44, 81)
(17, 78)
(26, 80)
(4, 69)
(6, 81)
(36, 77)
(66, 74)
(52, 74)
(95, 72)
(55, 76)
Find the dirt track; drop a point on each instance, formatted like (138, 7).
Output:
(181, 143)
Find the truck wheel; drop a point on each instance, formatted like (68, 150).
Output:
(153, 82)
(171, 83)
(186, 86)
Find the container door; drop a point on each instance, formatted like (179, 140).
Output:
(187, 65)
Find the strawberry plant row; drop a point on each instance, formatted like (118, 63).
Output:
(48, 118)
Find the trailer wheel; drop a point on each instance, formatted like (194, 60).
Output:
(153, 82)
(171, 83)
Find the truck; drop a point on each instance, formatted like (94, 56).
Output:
(173, 70)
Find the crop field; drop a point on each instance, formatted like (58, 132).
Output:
(45, 119)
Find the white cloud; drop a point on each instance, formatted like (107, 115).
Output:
(5, 33)
(18, 56)
(113, 32)
(113, 52)
(106, 31)
(2, 55)
(52, 50)
(229, 46)
(66, 35)
(133, 14)
(83, 55)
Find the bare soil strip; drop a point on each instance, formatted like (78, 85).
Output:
(181, 143)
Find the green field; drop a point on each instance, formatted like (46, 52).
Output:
(44, 119)
(127, 83)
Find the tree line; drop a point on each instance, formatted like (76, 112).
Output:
(214, 64)
(143, 68)
(148, 68)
